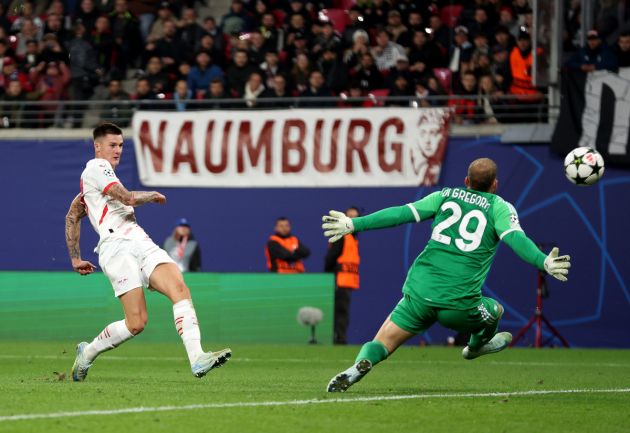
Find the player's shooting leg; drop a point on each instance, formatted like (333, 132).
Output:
(481, 321)
(135, 307)
(387, 340)
(168, 280)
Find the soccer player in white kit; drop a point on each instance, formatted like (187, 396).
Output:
(129, 258)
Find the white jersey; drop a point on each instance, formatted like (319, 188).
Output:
(109, 217)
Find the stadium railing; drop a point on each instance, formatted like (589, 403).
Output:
(499, 109)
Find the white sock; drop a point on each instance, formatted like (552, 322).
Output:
(112, 336)
(187, 327)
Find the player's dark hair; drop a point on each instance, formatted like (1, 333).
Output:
(282, 218)
(105, 128)
(355, 208)
(481, 174)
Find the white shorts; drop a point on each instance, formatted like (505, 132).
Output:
(128, 263)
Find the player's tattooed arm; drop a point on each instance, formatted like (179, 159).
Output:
(73, 236)
(134, 198)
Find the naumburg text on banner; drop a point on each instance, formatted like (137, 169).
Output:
(291, 148)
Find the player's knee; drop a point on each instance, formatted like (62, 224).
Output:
(181, 290)
(137, 325)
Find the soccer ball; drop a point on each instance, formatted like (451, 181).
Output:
(584, 166)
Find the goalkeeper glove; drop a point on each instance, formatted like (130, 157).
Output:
(336, 225)
(557, 267)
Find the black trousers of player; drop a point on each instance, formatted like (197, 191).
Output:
(342, 314)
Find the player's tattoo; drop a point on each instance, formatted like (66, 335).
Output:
(132, 198)
(73, 227)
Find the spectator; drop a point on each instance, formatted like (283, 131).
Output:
(343, 259)
(298, 45)
(375, 12)
(401, 68)
(385, 52)
(189, 30)
(210, 28)
(203, 73)
(14, 113)
(27, 14)
(117, 110)
(333, 70)
(482, 65)
(253, 89)
(328, 40)
(489, 101)
(461, 52)
(5, 50)
(503, 38)
(300, 73)
(54, 25)
(367, 73)
(51, 81)
(215, 94)
(424, 55)
(103, 42)
(5, 24)
(10, 72)
(440, 34)
(396, 28)
(355, 24)
(422, 94)
(278, 90)
(257, 50)
(622, 50)
(260, 9)
(480, 23)
(31, 57)
(274, 36)
(414, 24)
(360, 46)
(28, 31)
(297, 26)
(144, 11)
(507, 21)
(480, 44)
(465, 105)
(594, 56)
(500, 68)
(85, 72)
(145, 97)
(316, 89)
(400, 88)
(236, 20)
(284, 251)
(126, 33)
(353, 97)
(238, 73)
(164, 14)
(183, 247)
(270, 68)
(436, 89)
(297, 7)
(169, 48)
(88, 14)
(52, 50)
(181, 95)
(159, 80)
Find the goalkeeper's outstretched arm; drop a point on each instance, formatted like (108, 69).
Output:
(526, 249)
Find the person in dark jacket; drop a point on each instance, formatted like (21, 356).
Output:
(594, 56)
(183, 247)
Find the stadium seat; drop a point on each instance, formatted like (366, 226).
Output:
(338, 18)
(344, 4)
(450, 14)
(445, 77)
(376, 93)
(279, 15)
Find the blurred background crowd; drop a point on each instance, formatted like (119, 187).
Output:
(171, 55)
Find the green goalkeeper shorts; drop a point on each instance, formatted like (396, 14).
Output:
(414, 316)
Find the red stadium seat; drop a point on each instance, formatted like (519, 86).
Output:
(338, 18)
(376, 93)
(344, 4)
(279, 15)
(445, 77)
(450, 14)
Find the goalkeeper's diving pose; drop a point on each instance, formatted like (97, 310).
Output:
(444, 283)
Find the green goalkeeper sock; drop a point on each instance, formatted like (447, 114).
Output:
(374, 351)
(482, 337)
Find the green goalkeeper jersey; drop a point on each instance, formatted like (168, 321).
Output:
(466, 230)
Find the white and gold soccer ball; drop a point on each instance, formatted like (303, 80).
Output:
(584, 166)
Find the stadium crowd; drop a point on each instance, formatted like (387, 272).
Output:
(162, 55)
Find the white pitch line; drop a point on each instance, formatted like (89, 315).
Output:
(247, 404)
(328, 361)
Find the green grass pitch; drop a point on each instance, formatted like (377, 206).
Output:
(281, 389)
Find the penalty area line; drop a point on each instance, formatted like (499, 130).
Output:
(142, 409)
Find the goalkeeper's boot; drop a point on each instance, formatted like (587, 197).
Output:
(81, 364)
(499, 342)
(345, 379)
(209, 360)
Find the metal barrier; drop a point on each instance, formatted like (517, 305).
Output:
(467, 109)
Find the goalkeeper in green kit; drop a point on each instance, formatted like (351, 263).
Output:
(444, 283)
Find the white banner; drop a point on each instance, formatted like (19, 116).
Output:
(291, 148)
